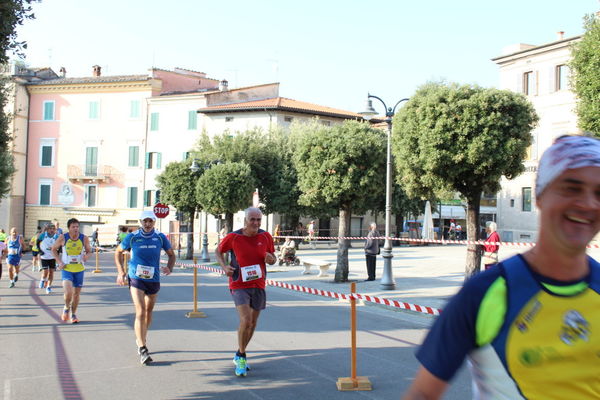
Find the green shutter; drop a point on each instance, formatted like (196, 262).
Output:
(158, 160)
(48, 111)
(147, 197)
(91, 161)
(94, 110)
(154, 121)
(44, 195)
(134, 109)
(148, 160)
(134, 156)
(46, 156)
(132, 197)
(192, 120)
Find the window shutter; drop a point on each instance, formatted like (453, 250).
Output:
(148, 161)
(158, 160)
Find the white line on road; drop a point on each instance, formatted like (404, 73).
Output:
(7, 389)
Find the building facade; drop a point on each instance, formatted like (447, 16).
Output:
(542, 74)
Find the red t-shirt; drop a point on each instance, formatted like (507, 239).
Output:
(246, 251)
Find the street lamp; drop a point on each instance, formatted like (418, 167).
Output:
(387, 279)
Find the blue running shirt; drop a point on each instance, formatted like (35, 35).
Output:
(145, 254)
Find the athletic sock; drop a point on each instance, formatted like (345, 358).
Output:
(239, 354)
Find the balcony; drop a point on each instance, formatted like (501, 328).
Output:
(89, 173)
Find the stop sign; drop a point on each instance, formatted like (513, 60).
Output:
(161, 210)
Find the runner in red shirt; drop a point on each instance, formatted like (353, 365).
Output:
(249, 248)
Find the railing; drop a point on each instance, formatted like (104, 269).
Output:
(88, 172)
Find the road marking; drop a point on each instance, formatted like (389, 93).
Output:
(7, 389)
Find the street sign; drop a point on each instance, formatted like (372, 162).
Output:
(161, 210)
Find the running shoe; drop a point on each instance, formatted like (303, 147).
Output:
(74, 319)
(65, 314)
(41, 285)
(139, 349)
(11, 284)
(16, 277)
(236, 358)
(48, 290)
(145, 358)
(240, 367)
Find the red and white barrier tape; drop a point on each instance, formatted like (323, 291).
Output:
(442, 241)
(326, 293)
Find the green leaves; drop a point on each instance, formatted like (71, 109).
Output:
(225, 188)
(177, 185)
(585, 78)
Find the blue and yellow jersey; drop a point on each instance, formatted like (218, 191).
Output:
(72, 254)
(525, 336)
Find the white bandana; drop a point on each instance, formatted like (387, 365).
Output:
(567, 152)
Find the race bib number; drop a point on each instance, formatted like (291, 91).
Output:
(75, 259)
(251, 273)
(144, 272)
(12, 251)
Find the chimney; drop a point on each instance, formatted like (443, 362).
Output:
(224, 85)
(560, 35)
(63, 72)
(96, 70)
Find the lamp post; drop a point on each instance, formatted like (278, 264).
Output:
(387, 279)
(204, 257)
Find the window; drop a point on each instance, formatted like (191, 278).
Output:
(134, 156)
(91, 161)
(90, 195)
(529, 83)
(192, 120)
(94, 110)
(154, 121)
(148, 198)
(153, 160)
(45, 192)
(135, 109)
(228, 119)
(526, 196)
(326, 123)
(186, 155)
(562, 77)
(288, 119)
(132, 193)
(48, 111)
(47, 152)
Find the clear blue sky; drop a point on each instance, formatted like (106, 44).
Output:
(330, 52)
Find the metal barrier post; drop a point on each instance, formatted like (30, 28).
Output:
(353, 382)
(195, 313)
(97, 270)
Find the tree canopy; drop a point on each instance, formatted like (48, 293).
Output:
(177, 186)
(462, 139)
(341, 167)
(585, 79)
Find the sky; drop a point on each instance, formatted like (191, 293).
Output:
(328, 52)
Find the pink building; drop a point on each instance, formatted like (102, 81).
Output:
(87, 144)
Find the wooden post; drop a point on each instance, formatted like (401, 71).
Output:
(97, 270)
(353, 382)
(195, 313)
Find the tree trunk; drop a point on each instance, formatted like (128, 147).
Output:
(473, 266)
(189, 253)
(341, 269)
(229, 221)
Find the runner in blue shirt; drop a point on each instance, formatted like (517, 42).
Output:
(143, 274)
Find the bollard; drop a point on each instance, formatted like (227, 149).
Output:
(97, 270)
(353, 382)
(195, 313)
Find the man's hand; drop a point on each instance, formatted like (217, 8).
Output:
(166, 270)
(270, 258)
(228, 270)
(122, 279)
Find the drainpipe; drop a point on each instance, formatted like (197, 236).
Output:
(26, 154)
(145, 147)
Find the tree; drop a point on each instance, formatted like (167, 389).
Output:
(343, 167)
(462, 139)
(225, 189)
(177, 186)
(585, 80)
(12, 14)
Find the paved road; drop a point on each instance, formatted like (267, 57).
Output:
(300, 348)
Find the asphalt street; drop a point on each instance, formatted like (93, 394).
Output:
(300, 349)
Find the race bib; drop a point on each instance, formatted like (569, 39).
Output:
(144, 272)
(251, 272)
(75, 259)
(13, 251)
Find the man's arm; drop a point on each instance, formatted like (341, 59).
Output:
(228, 269)
(57, 245)
(426, 386)
(87, 247)
(170, 262)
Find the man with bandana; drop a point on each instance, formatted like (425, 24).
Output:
(530, 327)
